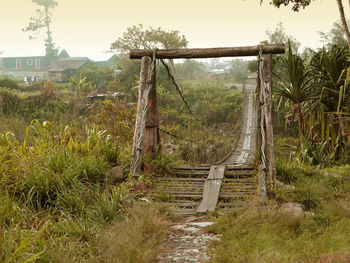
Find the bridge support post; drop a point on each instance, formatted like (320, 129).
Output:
(267, 80)
(150, 137)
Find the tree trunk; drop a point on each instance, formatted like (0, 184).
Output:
(343, 21)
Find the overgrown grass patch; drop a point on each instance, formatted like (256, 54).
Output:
(137, 238)
(268, 234)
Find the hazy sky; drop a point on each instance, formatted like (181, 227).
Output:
(88, 27)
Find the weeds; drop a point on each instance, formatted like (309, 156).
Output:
(135, 239)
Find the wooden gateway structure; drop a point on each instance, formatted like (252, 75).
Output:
(146, 134)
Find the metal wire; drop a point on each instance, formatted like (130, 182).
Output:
(263, 141)
(144, 113)
(171, 77)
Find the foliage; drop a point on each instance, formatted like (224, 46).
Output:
(96, 75)
(270, 234)
(296, 4)
(116, 118)
(81, 85)
(137, 238)
(53, 198)
(9, 83)
(129, 73)
(190, 69)
(280, 36)
(137, 37)
(334, 36)
(296, 88)
(216, 105)
(42, 106)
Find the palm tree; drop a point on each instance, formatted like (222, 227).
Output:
(295, 88)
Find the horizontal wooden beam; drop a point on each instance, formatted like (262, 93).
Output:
(208, 52)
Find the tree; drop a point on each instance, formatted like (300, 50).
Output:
(334, 36)
(190, 69)
(96, 75)
(136, 37)
(343, 21)
(295, 88)
(43, 20)
(280, 36)
(297, 4)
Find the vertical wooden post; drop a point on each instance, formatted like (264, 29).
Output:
(150, 140)
(267, 80)
(145, 67)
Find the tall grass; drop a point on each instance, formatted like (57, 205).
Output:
(269, 234)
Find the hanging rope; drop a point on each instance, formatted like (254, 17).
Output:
(144, 113)
(171, 77)
(262, 118)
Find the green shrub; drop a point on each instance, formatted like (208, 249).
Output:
(9, 83)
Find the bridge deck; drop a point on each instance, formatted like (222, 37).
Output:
(193, 187)
(245, 149)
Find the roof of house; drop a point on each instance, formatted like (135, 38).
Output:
(107, 63)
(103, 93)
(64, 64)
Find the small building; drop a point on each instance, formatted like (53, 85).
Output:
(29, 64)
(63, 69)
(25, 64)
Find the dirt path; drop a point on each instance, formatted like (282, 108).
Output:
(188, 242)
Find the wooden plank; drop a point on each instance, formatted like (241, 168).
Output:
(212, 189)
(191, 168)
(208, 52)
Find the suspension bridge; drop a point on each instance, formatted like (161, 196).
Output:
(237, 178)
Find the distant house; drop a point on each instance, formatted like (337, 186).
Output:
(63, 69)
(25, 64)
(29, 64)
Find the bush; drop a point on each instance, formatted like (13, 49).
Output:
(9, 83)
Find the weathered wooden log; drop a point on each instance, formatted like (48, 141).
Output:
(145, 67)
(267, 80)
(208, 52)
(150, 140)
